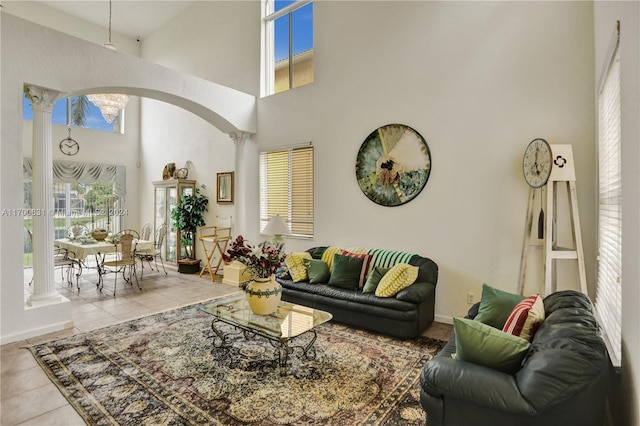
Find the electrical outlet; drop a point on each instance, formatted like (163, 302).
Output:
(471, 298)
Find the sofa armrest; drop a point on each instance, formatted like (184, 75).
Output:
(417, 292)
(446, 377)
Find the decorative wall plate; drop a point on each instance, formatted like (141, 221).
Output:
(393, 165)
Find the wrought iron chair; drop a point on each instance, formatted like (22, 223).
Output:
(143, 255)
(63, 258)
(161, 232)
(125, 260)
(145, 234)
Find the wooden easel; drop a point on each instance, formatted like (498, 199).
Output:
(213, 239)
(563, 171)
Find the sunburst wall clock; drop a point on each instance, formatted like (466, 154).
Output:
(393, 165)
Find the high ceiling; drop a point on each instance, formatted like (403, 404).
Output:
(131, 18)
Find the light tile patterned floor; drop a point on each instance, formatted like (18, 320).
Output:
(22, 381)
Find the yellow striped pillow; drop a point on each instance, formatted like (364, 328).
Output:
(400, 276)
(328, 254)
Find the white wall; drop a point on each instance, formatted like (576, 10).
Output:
(221, 45)
(479, 81)
(625, 405)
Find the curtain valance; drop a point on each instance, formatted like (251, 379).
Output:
(87, 173)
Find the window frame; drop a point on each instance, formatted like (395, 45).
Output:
(608, 301)
(290, 215)
(268, 31)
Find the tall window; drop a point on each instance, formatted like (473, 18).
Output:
(609, 289)
(288, 38)
(77, 111)
(286, 188)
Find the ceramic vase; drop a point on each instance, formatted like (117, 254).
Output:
(263, 295)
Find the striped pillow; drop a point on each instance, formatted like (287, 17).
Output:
(525, 318)
(388, 259)
(366, 263)
(328, 254)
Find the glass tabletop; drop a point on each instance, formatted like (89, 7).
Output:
(288, 321)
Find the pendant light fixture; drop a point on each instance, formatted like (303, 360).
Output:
(110, 104)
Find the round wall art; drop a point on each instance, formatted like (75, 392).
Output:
(393, 165)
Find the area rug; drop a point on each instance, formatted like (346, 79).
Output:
(163, 370)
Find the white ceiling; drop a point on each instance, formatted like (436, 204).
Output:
(131, 18)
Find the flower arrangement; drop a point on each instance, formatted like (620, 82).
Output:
(262, 261)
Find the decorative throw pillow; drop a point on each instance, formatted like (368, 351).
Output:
(328, 254)
(317, 270)
(525, 318)
(485, 345)
(346, 271)
(400, 276)
(374, 278)
(496, 305)
(296, 266)
(366, 262)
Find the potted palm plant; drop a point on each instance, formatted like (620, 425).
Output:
(188, 216)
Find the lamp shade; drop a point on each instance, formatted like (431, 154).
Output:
(276, 226)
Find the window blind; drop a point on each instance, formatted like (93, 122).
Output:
(608, 290)
(286, 188)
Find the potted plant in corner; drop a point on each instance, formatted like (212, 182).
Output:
(187, 216)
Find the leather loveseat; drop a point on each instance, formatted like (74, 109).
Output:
(562, 380)
(406, 315)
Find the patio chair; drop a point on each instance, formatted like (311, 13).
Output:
(125, 260)
(145, 234)
(155, 253)
(63, 258)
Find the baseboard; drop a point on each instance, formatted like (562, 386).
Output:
(27, 334)
(443, 319)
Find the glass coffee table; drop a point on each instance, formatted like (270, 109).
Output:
(287, 329)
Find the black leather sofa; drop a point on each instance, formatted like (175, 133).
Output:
(404, 316)
(563, 379)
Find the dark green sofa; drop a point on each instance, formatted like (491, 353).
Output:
(562, 381)
(404, 316)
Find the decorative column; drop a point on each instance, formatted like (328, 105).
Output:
(44, 291)
(239, 139)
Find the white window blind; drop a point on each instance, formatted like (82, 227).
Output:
(286, 188)
(609, 292)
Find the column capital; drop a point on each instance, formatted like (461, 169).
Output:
(42, 99)
(239, 137)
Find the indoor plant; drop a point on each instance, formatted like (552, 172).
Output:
(263, 291)
(187, 216)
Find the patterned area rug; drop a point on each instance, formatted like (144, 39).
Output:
(163, 370)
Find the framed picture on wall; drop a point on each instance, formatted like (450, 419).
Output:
(225, 188)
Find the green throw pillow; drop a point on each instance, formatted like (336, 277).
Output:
(496, 305)
(374, 278)
(318, 270)
(346, 271)
(484, 345)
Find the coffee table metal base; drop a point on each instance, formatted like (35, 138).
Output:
(283, 346)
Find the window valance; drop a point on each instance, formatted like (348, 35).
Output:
(88, 173)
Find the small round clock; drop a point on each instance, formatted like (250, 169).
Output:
(69, 146)
(537, 163)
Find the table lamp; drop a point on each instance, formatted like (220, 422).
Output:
(277, 227)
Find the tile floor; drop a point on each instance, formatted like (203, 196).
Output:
(22, 381)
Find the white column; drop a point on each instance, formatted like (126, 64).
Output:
(44, 291)
(239, 139)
